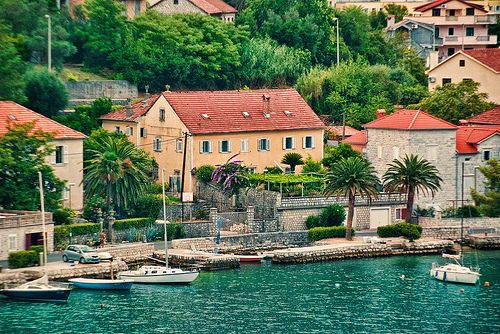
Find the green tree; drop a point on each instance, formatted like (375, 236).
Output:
(306, 25)
(398, 11)
(348, 178)
(12, 69)
(23, 154)
(265, 63)
(86, 118)
(115, 169)
(311, 166)
(412, 175)
(489, 203)
(334, 154)
(453, 102)
(293, 160)
(45, 92)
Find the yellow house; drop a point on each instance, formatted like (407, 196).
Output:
(258, 125)
(481, 65)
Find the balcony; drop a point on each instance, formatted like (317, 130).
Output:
(470, 40)
(455, 20)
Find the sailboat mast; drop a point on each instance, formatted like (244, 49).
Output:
(42, 208)
(462, 218)
(164, 215)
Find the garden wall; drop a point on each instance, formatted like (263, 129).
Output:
(449, 228)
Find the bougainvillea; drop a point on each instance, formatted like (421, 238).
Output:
(230, 177)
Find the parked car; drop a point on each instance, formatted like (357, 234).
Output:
(80, 253)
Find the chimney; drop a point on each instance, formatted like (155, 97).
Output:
(167, 88)
(130, 111)
(266, 101)
(380, 113)
(463, 122)
(391, 20)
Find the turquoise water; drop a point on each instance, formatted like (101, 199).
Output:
(266, 298)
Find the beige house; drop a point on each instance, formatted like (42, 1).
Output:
(215, 8)
(482, 66)
(133, 8)
(258, 125)
(67, 159)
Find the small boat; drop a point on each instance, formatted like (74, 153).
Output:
(250, 258)
(454, 272)
(102, 284)
(38, 290)
(159, 275)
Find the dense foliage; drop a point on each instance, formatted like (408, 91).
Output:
(333, 154)
(230, 177)
(63, 216)
(61, 232)
(318, 233)
(85, 118)
(204, 173)
(332, 215)
(489, 202)
(12, 69)
(23, 154)
(45, 92)
(409, 231)
(293, 160)
(467, 211)
(23, 259)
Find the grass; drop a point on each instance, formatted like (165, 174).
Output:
(75, 73)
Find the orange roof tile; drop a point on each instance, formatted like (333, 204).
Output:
(433, 4)
(12, 113)
(487, 57)
(138, 109)
(214, 6)
(468, 137)
(338, 129)
(357, 139)
(489, 117)
(406, 119)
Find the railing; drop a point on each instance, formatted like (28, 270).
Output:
(483, 38)
(451, 39)
(21, 220)
(485, 19)
(451, 18)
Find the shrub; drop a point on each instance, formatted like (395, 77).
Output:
(204, 173)
(333, 215)
(23, 259)
(148, 205)
(311, 166)
(449, 212)
(201, 214)
(468, 211)
(429, 212)
(63, 216)
(409, 231)
(61, 232)
(45, 92)
(318, 233)
(37, 249)
(92, 207)
(176, 231)
(126, 224)
(313, 221)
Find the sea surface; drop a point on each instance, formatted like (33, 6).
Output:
(350, 296)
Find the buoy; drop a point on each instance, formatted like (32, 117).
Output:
(102, 306)
(402, 276)
(337, 285)
(486, 284)
(462, 290)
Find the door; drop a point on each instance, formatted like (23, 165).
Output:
(379, 217)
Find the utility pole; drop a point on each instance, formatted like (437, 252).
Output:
(49, 41)
(183, 174)
(343, 125)
(338, 51)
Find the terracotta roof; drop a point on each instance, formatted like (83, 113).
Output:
(357, 139)
(338, 130)
(214, 6)
(430, 5)
(138, 109)
(206, 112)
(487, 57)
(407, 119)
(490, 117)
(468, 137)
(13, 113)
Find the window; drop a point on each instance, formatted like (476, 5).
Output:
(446, 81)
(178, 145)
(379, 152)
(12, 242)
(244, 145)
(162, 115)
(466, 79)
(224, 146)
(451, 31)
(59, 154)
(157, 144)
(117, 129)
(469, 11)
(129, 131)
(401, 213)
(288, 143)
(395, 152)
(452, 12)
(263, 144)
(436, 12)
(451, 51)
(143, 132)
(486, 155)
(308, 142)
(176, 2)
(436, 32)
(461, 63)
(469, 31)
(205, 146)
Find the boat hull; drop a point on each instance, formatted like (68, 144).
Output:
(250, 258)
(52, 295)
(101, 284)
(454, 276)
(169, 278)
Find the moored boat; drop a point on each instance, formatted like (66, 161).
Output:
(250, 258)
(102, 284)
(454, 272)
(159, 275)
(38, 290)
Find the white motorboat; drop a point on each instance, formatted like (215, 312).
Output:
(454, 272)
(160, 274)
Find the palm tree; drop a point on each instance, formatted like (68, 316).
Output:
(411, 176)
(115, 169)
(293, 160)
(350, 177)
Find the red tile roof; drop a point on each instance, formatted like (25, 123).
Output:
(205, 112)
(138, 109)
(406, 119)
(487, 57)
(468, 137)
(489, 117)
(214, 6)
(430, 5)
(13, 113)
(357, 139)
(338, 130)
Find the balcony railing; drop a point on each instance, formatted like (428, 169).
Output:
(483, 38)
(451, 39)
(451, 18)
(489, 19)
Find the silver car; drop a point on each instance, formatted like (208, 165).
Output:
(80, 253)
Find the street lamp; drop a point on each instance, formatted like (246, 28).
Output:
(338, 51)
(49, 38)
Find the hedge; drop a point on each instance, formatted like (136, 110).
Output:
(61, 232)
(318, 233)
(409, 231)
(23, 259)
(125, 224)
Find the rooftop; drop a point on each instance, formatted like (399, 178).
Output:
(12, 113)
(407, 119)
(209, 6)
(356, 139)
(468, 137)
(487, 57)
(489, 117)
(433, 4)
(339, 129)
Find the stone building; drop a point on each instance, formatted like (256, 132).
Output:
(19, 230)
(215, 8)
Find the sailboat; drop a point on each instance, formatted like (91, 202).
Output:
(456, 272)
(39, 289)
(102, 284)
(160, 274)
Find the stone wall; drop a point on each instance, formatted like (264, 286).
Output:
(449, 228)
(93, 89)
(484, 241)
